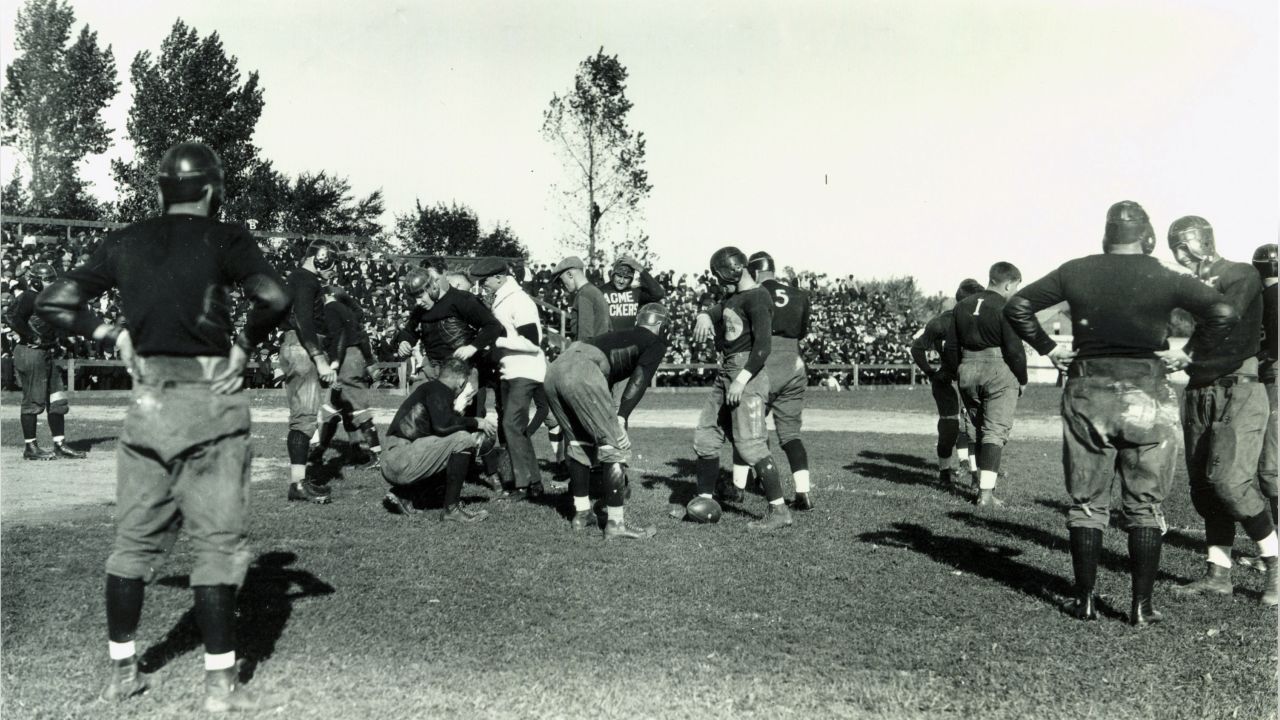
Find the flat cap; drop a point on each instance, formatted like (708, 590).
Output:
(573, 262)
(488, 267)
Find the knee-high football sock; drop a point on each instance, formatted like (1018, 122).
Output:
(798, 459)
(708, 473)
(57, 426)
(215, 607)
(455, 475)
(768, 474)
(28, 427)
(124, 609)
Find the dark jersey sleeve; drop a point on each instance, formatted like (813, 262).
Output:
(336, 318)
(760, 315)
(243, 264)
(1014, 356)
(650, 290)
(19, 317)
(951, 345)
(1020, 311)
(1215, 316)
(444, 419)
(647, 364)
(64, 303)
(488, 329)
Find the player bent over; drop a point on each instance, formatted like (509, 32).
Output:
(738, 399)
(348, 344)
(42, 387)
(578, 389)
(429, 436)
(1119, 412)
(183, 457)
(1224, 416)
(990, 368)
(953, 423)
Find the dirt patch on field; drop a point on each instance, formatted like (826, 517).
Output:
(63, 490)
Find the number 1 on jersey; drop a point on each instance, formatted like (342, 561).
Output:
(978, 306)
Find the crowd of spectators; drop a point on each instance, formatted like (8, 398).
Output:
(848, 325)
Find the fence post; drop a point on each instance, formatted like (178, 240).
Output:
(857, 373)
(71, 375)
(913, 376)
(403, 373)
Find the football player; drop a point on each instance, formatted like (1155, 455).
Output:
(738, 399)
(305, 365)
(1224, 416)
(990, 367)
(1119, 412)
(42, 387)
(788, 376)
(953, 425)
(347, 343)
(623, 300)
(183, 456)
(578, 388)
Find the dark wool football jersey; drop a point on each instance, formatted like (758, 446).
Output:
(790, 309)
(744, 324)
(428, 411)
(173, 273)
(306, 313)
(633, 354)
(344, 329)
(1240, 284)
(32, 330)
(1120, 304)
(978, 323)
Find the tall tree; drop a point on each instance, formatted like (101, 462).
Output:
(322, 203)
(52, 106)
(192, 91)
(454, 229)
(602, 155)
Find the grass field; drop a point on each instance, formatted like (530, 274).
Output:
(896, 598)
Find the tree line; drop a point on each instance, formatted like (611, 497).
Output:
(57, 88)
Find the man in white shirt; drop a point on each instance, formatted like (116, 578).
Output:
(523, 366)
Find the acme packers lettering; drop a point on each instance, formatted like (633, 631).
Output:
(622, 304)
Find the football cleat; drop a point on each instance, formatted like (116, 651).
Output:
(223, 694)
(703, 510)
(125, 681)
(802, 502)
(397, 505)
(585, 519)
(987, 498)
(61, 450)
(1216, 581)
(1142, 614)
(1271, 590)
(307, 491)
(614, 530)
(776, 517)
(33, 451)
(461, 514)
(1084, 608)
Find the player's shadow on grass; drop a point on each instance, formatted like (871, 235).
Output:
(683, 484)
(1110, 560)
(1173, 538)
(992, 562)
(263, 607)
(903, 470)
(86, 444)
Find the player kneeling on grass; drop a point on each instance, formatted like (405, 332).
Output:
(578, 389)
(428, 436)
(736, 405)
(183, 456)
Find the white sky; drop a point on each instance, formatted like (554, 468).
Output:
(924, 137)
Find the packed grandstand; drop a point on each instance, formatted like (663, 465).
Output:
(849, 323)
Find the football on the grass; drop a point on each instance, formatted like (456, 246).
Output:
(703, 510)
